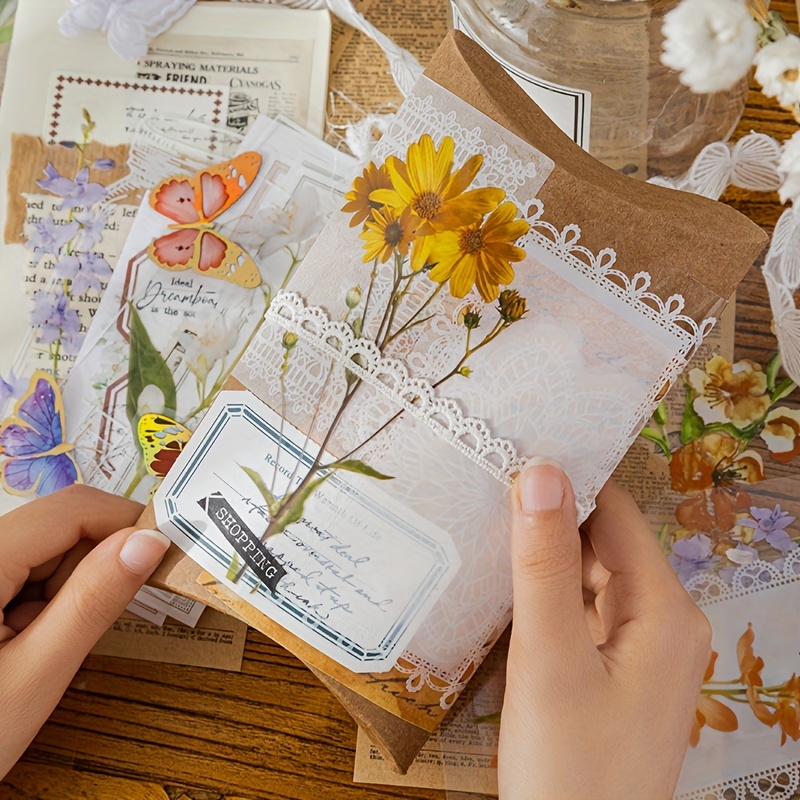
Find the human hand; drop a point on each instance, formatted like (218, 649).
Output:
(70, 571)
(607, 651)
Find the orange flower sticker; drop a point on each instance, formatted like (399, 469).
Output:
(713, 460)
(781, 433)
(711, 712)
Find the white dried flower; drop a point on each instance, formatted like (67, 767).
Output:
(272, 229)
(710, 42)
(778, 70)
(789, 167)
(204, 351)
(151, 400)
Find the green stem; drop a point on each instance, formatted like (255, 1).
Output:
(391, 304)
(141, 472)
(55, 352)
(412, 321)
(292, 267)
(491, 336)
(373, 275)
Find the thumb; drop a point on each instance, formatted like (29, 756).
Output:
(546, 561)
(38, 664)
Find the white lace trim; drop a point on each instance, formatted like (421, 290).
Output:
(599, 268)
(392, 378)
(473, 437)
(422, 672)
(421, 114)
(769, 784)
(707, 588)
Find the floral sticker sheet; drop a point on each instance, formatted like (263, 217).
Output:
(729, 527)
(401, 367)
(746, 738)
(166, 335)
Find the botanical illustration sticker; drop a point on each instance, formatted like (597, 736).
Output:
(712, 460)
(776, 705)
(65, 243)
(197, 273)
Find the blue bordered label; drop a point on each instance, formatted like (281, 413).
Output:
(355, 576)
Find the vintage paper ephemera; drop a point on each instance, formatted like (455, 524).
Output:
(118, 105)
(326, 572)
(217, 641)
(276, 75)
(40, 52)
(68, 217)
(450, 385)
(71, 189)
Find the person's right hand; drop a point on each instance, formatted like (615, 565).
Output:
(607, 651)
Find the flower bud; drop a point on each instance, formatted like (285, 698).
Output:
(289, 340)
(512, 306)
(353, 297)
(104, 164)
(465, 371)
(471, 319)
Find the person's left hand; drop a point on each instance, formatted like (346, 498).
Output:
(67, 572)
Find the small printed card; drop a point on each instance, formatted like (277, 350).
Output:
(120, 104)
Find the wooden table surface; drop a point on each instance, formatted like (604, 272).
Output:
(133, 730)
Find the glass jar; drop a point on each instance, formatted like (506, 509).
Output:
(594, 67)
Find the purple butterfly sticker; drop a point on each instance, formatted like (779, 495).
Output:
(38, 461)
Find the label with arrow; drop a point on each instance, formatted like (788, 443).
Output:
(246, 543)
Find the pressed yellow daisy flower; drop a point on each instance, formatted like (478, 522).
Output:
(479, 255)
(358, 201)
(436, 196)
(385, 233)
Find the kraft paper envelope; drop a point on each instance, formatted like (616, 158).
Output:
(474, 304)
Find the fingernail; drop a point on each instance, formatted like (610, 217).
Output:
(541, 485)
(143, 550)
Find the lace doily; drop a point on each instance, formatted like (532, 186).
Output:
(780, 783)
(707, 588)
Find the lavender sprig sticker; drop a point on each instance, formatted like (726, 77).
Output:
(67, 246)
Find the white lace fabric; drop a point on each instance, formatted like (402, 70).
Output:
(569, 359)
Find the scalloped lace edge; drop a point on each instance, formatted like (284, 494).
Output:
(708, 588)
(748, 787)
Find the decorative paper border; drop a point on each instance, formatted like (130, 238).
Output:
(137, 85)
